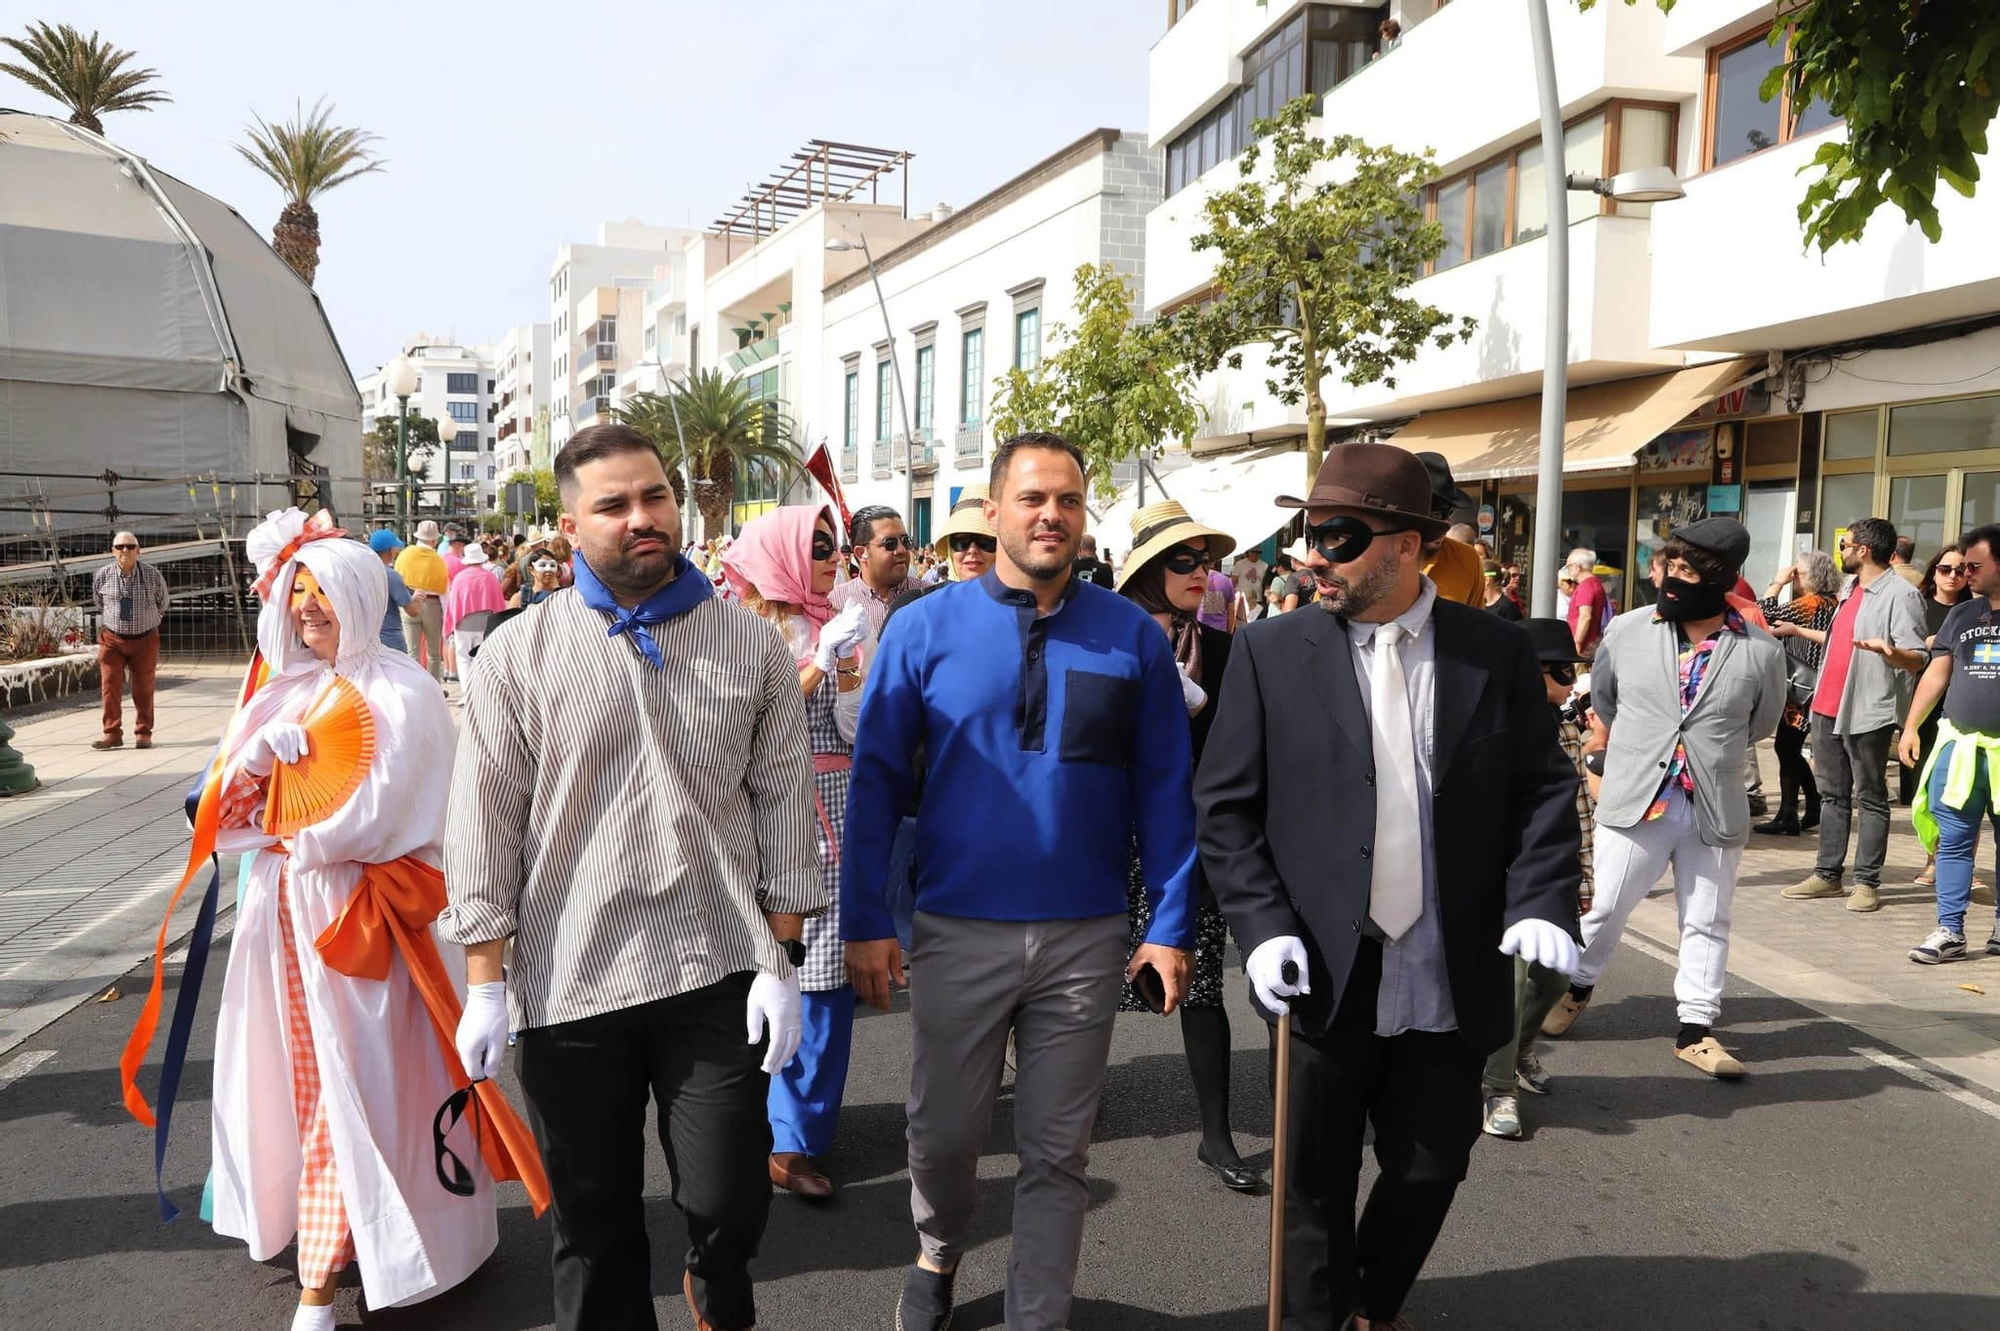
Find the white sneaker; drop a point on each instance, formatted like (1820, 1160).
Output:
(1942, 945)
(1503, 1117)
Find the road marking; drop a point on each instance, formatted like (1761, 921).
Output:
(21, 1066)
(1645, 945)
(1922, 1077)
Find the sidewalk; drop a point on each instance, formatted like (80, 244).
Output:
(87, 860)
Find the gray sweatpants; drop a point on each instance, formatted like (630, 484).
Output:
(1055, 984)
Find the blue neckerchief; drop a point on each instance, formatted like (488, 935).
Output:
(688, 590)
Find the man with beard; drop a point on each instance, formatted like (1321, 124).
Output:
(1877, 632)
(1381, 851)
(1685, 687)
(884, 548)
(1056, 708)
(634, 807)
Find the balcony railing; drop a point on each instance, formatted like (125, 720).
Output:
(880, 458)
(594, 352)
(970, 441)
(850, 462)
(589, 407)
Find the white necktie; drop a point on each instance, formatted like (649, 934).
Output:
(1396, 891)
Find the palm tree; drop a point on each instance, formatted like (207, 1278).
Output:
(86, 74)
(307, 156)
(726, 431)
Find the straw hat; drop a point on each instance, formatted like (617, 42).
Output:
(967, 517)
(1159, 527)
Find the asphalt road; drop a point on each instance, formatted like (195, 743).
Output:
(1827, 1190)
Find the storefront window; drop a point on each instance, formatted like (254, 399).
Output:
(1981, 501)
(1916, 508)
(1851, 435)
(1661, 509)
(1842, 499)
(1962, 426)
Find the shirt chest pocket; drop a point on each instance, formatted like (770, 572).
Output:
(709, 718)
(1100, 713)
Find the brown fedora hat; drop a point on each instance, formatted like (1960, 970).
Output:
(1374, 479)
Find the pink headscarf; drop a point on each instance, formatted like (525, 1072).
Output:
(773, 553)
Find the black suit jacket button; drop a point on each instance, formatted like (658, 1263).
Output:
(1357, 926)
(1367, 853)
(1662, 764)
(1370, 778)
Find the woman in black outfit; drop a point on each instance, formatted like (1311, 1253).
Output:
(1165, 576)
(1497, 599)
(1944, 586)
(1815, 596)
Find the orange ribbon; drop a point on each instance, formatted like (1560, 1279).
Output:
(390, 911)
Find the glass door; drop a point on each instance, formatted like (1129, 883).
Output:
(1768, 511)
(1917, 510)
(1980, 502)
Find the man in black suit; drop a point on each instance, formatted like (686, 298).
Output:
(1423, 829)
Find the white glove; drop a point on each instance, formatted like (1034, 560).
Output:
(1543, 944)
(278, 742)
(840, 636)
(1266, 969)
(1191, 692)
(774, 1006)
(482, 1029)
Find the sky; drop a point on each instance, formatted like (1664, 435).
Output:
(509, 128)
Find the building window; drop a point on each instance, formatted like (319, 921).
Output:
(491, 471)
(1739, 121)
(461, 383)
(882, 401)
(926, 386)
(972, 362)
(1028, 339)
(463, 412)
(850, 421)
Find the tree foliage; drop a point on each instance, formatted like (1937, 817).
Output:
(725, 429)
(86, 74)
(548, 498)
(1918, 85)
(1314, 260)
(306, 156)
(1110, 386)
(378, 447)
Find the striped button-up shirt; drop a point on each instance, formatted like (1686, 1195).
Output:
(628, 825)
(875, 605)
(129, 604)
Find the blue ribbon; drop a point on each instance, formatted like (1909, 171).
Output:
(185, 1004)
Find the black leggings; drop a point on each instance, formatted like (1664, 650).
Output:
(1794, 772)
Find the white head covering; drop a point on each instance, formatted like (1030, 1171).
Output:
(351, 575)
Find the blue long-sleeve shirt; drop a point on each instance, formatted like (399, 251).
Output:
(1050, 742)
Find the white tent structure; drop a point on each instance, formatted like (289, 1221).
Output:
(1232, 493)
(147, 330)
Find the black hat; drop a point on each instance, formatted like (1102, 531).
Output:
(1553, 643)
(1725, 538)
(1445, 494)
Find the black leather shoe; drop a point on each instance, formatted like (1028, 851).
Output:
(925, 1303)
(1236, 1178)
(1783, 825)
(1810, 820)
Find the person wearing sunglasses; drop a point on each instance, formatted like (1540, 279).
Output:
(1815, 590)
(131, 598)
(1167, 576)
(883, 548)
(1497, 600)
(1943, 585)
(1381, 850)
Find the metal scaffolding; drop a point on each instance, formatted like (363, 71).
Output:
(821, 172)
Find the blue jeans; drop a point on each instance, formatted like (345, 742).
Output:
(805, 1098)
(1958, 838)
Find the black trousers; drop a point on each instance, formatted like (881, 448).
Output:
(586, 1084)
(1421, 1091)
(1795, 774)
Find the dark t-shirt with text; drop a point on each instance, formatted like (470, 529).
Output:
(1971, 638)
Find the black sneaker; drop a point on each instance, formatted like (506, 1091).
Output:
(925, 1303)
(1993, 942)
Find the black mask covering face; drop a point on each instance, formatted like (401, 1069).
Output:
(1681, 601)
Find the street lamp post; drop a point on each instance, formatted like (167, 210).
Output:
(1647, 185)
(447, 431)
(402, 382)
(837, 244)
(687, 468)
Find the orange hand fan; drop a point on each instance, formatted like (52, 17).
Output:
(342, 747)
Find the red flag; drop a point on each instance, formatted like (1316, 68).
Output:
(820, 466)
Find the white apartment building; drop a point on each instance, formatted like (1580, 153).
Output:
(454, 380)
(597, 297)
(1678, 311)
(521, 371)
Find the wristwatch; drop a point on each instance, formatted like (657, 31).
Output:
(795, 950)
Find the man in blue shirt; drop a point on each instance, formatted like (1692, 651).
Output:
(1055, 707)
(387, 545)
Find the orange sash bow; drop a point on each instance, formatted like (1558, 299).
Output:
(390, 911)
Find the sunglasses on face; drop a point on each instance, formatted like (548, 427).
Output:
(823, 547)
(459, 1181)
(893, 543)
(127, 546)
(965, 540)
(1184, 559)
(1972, 567)
(1344, 539)
(1955, 570)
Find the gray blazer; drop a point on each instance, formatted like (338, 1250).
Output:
(1635, 690)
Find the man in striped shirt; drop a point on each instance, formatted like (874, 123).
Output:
(131, 601)
(634, 807)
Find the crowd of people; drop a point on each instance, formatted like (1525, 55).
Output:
(710, 799)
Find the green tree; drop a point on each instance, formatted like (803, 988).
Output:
(726, 429)
(378, 447)
(86, 74)
(548, 498)
(307, 156)
(1918, 86)
(1314, 260)
(1111, 387)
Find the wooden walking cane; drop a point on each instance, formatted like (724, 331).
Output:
(1281, 1122)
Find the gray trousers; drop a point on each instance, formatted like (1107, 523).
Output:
(1852, 770)
(1055, 984)
(425, 635)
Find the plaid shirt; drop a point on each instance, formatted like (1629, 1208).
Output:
(1571, 739)
(129, 604)
(1694, 667)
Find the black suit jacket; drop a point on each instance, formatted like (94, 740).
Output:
(1286, 799)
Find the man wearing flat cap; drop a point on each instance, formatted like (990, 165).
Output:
(1391, 944)
(1686, 686)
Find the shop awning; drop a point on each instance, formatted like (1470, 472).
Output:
(1232, 494)
(1607, 424)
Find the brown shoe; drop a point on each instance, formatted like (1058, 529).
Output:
(146, 743)
(1564, 1014)
(1712, 1058)
(700, 1323)
(1811, 887)
(795, 1172)
(107, 743)
(1865, 898)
